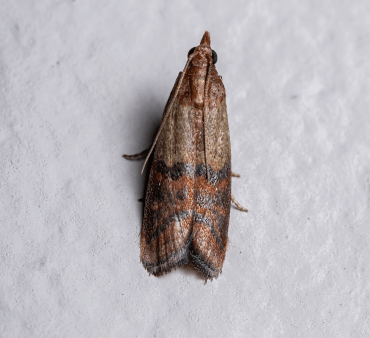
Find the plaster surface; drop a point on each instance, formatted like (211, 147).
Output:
(84, 81)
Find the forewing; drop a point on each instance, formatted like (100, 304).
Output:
(212, 197)
(168, 213)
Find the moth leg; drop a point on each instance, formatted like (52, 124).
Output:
(139, 156)
(238, 206)
(234, 175)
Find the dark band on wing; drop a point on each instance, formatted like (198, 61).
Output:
(197, 260)
(176, 217)
(183, 169)
(178, 170)
(214, 176)
(205, 220)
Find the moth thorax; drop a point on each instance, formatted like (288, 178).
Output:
(197, 84)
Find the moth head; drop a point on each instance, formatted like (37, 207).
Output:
(204, 49)
(213, 54)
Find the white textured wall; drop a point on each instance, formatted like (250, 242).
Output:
(85, 81)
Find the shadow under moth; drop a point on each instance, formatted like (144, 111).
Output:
(188, 197)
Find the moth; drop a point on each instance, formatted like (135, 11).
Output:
(188, 197)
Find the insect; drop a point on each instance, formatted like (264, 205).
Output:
(188, 197)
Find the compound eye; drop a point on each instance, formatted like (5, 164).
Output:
(191, 51)
(214, 57)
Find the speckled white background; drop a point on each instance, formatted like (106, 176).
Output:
(84, 81)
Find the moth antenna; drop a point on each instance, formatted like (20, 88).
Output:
(167, 110)
(205, 116)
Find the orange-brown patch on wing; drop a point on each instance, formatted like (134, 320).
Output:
(210, 227)
(167, 225)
